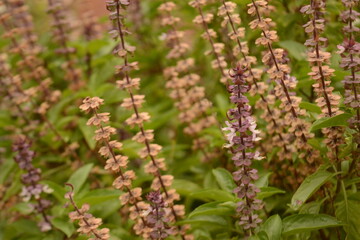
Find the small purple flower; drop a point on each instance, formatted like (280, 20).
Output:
(32, 189)
(349, 50)
(157, 216)
(241, 134)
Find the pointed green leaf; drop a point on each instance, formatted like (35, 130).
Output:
(310, 185)
(185, 187)
(204, 219)
(222, 103)
(99, 196)
(273, 227)
(65, 226)
(326, 122)
(310, 107)
(88, 132)
(259, 236)
(350, 214)
(213, 194)
(300, 223)
(214, 208)
(263, 180)
(6, 168)
(268, 192)
(224, 179)
(296, 49)
(311, 207)
(79, 177)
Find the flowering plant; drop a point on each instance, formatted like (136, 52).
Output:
(198, 119)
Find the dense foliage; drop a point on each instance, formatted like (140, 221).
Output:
(201, 119)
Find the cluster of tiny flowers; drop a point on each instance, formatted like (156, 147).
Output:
(322, 73)
(279, 72)
(32, 189)
(275, 128)
(21, 11)
(157, 216)
(116, 163)
(277, 135)
(189, 96)
(209, 35)
(294, 174)
(241, 134)
(15, 97)
(23, 100)
(137, 119)
(14, 89)
(15, 48)
(23, 39)
(232, 19)
(350, 53)
(17, 23)
(60, 27)
(88, 224)
(349, 50)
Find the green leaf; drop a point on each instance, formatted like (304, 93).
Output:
(300, 223)
(224, 179)
(5, 119)
(21, 226)
(210, 181)
(223, 236)
(14, 188)
(259, 236)
(263, 181)
(109, 93)
(326, 122)
(311, 207)
(65, 226)
(95, 45)
(214, 208)
(23, 208)
(315, 143)
(352, 181)
(106, 209)
(296, 50)
(305, 83)
(222, 103)
(350, 214)
(213, 194)
(266, 192)
(5, 169)
(204, 219)
(99, 196)
(345, 166)
(345, 151)
(160, 119)
(185, 187)
(272, 227)
(88, 132)
(55, 111)
(201, 234)
(310, 107)
(310, 185)
(79, 177)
